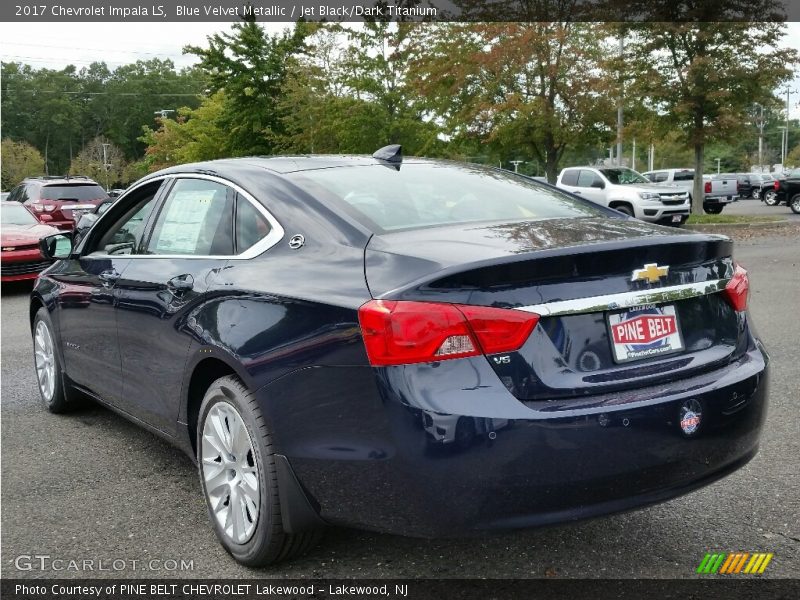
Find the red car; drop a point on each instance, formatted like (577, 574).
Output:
(19, 238)
(59, 201)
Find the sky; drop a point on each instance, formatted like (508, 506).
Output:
(55, 45)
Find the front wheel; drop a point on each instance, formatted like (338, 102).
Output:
(625, 209)
(756, 194)
(794, 204)
(239, 478)
(770, 198)
(713, 210)
(48, 364)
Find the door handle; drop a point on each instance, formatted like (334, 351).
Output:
(180, 283)
(108, 278)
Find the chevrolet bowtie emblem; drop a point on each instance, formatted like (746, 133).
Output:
(651, 272)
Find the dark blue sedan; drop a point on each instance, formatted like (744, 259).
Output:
(412, 346)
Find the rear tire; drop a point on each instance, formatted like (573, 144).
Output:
(713, 210)
(794, 204)
(770, 198)
(48, 364)
(238, 476)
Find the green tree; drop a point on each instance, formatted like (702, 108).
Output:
(19, 160)
(529, 89)
(705, 76)
(350, 93)
(196, 135)
(250, 66)
(107, 168)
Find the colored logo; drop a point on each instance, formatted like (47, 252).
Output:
(736, 563)
(691, 413)
(644, 329)
(651, 272)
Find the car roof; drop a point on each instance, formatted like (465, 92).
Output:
(292, 164)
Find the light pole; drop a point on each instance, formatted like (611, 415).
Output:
(784, 135)
(785, 147)
(516, 164)
(164, 112)
(718, 161)
(106, 165)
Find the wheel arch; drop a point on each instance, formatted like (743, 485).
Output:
(207, 365)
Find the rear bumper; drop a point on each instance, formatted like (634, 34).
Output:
(363, 448)
(719, 200)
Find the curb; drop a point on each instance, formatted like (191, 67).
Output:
(714, 226)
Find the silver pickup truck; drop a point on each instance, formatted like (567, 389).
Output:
(718, 192)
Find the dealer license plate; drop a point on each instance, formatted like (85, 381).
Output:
(676, 218)
(644, 332)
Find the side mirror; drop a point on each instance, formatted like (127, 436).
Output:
(57, 246)
(598, 184)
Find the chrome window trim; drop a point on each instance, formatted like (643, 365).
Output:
(274, 236)
(626, 299)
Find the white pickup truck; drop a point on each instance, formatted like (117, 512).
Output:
(718, 192)
(627, 191)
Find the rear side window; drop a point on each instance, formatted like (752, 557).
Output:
(427, 195)
(196, 219)
(251, 226)
(570, 177)
(73, 191)
(681, 176)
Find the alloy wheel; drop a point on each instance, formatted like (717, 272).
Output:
(44, 357)
(230, 472)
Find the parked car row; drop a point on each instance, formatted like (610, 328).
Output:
(628, 192)
(59, 201)
(717, 193)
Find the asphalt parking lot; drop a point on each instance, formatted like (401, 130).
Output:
(91, 486)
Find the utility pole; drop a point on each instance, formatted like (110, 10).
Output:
(620, 100)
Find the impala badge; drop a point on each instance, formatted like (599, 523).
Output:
(651, 272)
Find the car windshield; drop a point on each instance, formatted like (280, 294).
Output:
(426, 195)
(623, 176)
(73, 191)
(16, 214)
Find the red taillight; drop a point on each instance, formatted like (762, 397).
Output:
(776, 185)
(708, 187)
(404, 332)
(737, 289)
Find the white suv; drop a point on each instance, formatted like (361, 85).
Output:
(627, 191)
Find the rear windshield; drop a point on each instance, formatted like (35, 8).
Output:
(73, 191)
(16, 214)
(424, 195)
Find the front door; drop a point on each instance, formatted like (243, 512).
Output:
(192, 237)
(86, 309)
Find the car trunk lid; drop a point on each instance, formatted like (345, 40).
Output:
(578, 274)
